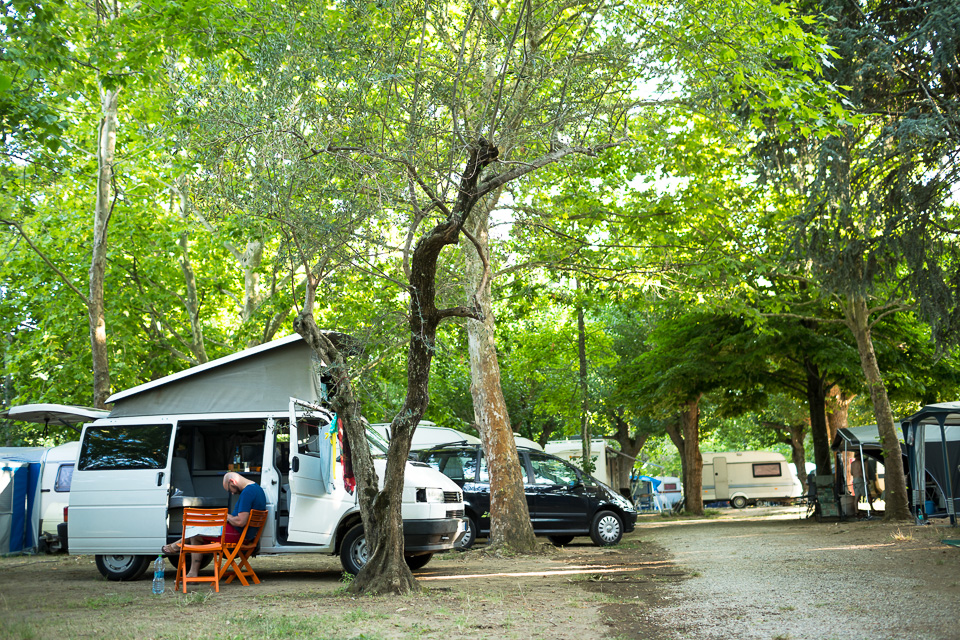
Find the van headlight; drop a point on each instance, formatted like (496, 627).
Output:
(429, 495)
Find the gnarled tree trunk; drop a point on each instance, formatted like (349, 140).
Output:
(857, 314)
(510, 524)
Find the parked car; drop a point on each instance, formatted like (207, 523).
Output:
(564, 502)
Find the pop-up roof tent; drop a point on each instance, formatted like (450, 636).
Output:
(262, 378)
(937, 428)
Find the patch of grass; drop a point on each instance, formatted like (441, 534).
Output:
(108, 601)
(629, 544)
(277, 627)
(345, 581)
(193, 599)
(900, 536)
(788, 608)
(17, 631)
(359, 615)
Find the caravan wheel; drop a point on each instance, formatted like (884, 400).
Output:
(739, 502)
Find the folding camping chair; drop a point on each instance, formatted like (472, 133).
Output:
(236, 558)
(202, 518)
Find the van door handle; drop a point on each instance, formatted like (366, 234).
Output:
(295, 465)
(160, 479)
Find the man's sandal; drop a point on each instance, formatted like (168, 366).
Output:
(171, 549)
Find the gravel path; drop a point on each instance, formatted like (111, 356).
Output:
(777, 577)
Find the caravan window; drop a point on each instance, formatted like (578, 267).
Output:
(125, 447)
(766, 470)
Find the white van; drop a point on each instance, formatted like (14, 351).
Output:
(746, 477)
(166, 445)
(134, 477)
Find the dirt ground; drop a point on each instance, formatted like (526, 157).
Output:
(756, 573)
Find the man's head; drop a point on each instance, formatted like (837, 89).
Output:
(233, 482)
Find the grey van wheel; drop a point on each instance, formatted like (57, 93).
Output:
(607, 529)
(739, 502)
(120, 568)
(353, 550)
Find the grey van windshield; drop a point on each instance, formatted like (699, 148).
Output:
(125, 447)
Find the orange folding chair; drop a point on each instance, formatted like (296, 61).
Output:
(201, 518)
(236, 559)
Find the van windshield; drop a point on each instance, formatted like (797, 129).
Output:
(125, 447)
(378, 446)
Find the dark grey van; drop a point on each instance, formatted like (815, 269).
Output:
(564, 502)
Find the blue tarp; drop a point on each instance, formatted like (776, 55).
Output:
(25, 479)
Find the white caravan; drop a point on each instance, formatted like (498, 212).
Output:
(607, 461)
(746, 477)
(138, 468)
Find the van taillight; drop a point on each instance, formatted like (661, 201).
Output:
(65, 513)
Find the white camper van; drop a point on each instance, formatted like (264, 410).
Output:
(138, 468)
(745, 477)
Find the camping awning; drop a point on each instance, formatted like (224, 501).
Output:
(46, 413)
(934, 452)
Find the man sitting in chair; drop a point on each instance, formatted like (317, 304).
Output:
(251, 497)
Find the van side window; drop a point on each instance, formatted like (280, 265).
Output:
(64, 476)
(308, 438)
(125, 447)
(766, 470)
(553, 472)
(456, 465)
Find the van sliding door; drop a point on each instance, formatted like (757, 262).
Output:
(118, 495)
(317, 497)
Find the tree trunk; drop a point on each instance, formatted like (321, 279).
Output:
(588, 465)
(693, 482)
(510, 524)
(197, 346)
(106, 197)
(676, 436)
(343, 401)
(838, 408)
(857, 317)
(629, 447)
(798, 452)
(816, 401)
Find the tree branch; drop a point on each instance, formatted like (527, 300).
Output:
(44, 257)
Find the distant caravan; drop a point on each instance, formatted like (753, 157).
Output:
(747, 477)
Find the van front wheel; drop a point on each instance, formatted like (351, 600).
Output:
(121, 568)
(607, 529)
(353, 550)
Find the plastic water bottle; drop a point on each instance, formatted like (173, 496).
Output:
(158, 582)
